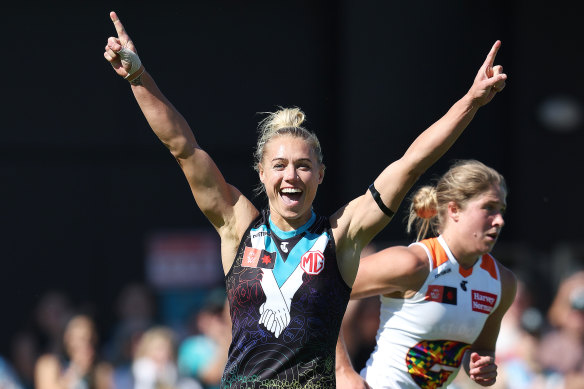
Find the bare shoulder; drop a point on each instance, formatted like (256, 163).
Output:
(396, 269)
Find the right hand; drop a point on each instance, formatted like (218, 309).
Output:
(121, 52)
(489, 80)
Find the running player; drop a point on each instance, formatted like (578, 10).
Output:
(443, 297)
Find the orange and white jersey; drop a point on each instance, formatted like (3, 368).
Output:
(421, 340)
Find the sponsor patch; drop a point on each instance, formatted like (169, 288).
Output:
(312, 262)
(483, 301)
(258, 258)
(441, 294)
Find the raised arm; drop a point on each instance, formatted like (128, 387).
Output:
(363, 217)
(225, 207)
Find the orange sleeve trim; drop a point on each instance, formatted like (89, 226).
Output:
(439, 255)
(489, 265)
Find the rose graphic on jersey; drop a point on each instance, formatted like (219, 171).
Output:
(431, 362)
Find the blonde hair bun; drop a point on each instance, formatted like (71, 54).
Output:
(424, 202)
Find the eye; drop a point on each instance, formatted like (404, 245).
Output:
(490, 209)
(278, 166)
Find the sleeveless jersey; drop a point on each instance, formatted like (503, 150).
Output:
(287, 300)
(421, 340)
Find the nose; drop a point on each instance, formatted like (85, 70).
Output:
(499, 220)
(290, 173)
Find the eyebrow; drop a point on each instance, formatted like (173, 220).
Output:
(497, 202)
(298, 160)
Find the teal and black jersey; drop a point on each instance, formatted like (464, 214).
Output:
(287, 300)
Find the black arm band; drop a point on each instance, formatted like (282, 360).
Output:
(377, 198)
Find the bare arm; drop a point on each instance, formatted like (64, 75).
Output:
(479, 361)
(363, 216)
(396, 269)
(346, 376)
(225, 207)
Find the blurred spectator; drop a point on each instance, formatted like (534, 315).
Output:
(79, 367)
(24, 353)
(154, 365)
(51, 314)
(135, 310)
(203, 355)
(8, 378)
(561, 352)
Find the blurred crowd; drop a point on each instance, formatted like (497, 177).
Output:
(64, 350)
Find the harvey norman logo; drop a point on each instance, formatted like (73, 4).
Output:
(483, 302)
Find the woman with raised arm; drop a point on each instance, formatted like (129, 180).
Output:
(289, 271)
(443, 297)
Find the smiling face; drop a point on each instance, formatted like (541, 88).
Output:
(472, 230)
(290, 173)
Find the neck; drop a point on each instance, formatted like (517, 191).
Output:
(287, 224)
(464, 258)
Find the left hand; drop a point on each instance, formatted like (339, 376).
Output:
(489, 80)
(482, 369)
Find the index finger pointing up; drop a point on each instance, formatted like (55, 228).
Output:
(492, 54)
(118, 25)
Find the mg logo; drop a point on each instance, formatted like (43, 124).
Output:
(312, 262)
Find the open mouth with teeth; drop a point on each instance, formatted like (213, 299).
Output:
(290, 195)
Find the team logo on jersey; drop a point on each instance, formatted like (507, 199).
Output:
(463, 284)
(258, 258)
(312, 262)
(431, 362)
(441, 294)
(284, 247)
(483, 302)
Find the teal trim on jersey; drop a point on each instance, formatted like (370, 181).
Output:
(289, 234)
(284, 269)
